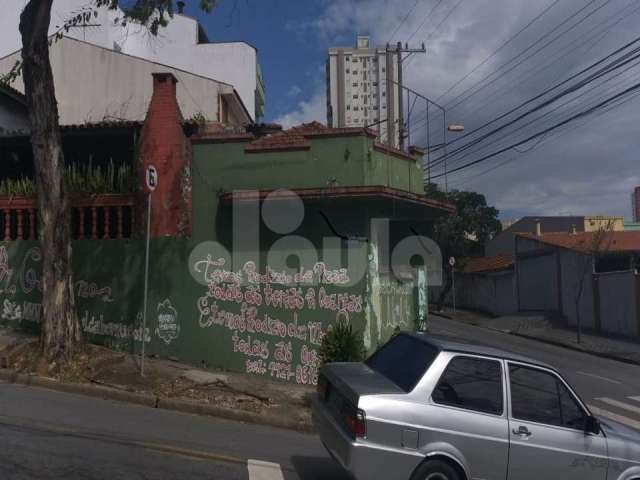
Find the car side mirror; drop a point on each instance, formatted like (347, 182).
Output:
(592, 425)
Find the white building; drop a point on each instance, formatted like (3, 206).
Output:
(94, 84)
(361, 90)
(183, 45)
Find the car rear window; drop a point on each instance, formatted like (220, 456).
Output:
(403, 360)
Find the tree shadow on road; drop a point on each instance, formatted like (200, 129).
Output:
(318, 468)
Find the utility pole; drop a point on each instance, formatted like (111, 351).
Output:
(399, 51)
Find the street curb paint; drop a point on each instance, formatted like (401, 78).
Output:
(182, 406)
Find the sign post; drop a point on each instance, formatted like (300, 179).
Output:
(151, 177)
(452, 262)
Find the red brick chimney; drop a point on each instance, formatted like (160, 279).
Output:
(165, 146)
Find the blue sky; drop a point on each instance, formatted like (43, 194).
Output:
(290, 62)
(590, 168)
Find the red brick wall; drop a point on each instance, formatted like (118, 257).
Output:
(165, 146)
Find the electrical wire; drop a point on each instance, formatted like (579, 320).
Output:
(579, 115)
(402, 22)
(495, 52)
(461, 98)
(426, 17)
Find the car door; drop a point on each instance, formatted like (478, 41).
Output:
(546, 428)
(467, 415)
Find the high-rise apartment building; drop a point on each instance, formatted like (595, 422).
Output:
(362, 89)
(635, 204)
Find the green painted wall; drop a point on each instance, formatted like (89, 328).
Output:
(246, 318)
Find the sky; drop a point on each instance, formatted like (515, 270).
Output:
(589, 167)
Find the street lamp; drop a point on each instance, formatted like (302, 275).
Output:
(453, 128)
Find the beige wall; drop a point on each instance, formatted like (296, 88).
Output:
(592, 224)
(95, 84)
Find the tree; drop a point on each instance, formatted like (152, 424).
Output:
(599, 242)
(61, 335)
(464, 233)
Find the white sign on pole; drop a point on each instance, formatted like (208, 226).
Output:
(452, 261)
(152, 178)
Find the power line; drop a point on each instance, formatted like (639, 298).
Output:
(571, 100)
(579, 115)
(458, 100)
(427, 16)
(411, 10)
(591, 77)
(444, 19)
(531, 73)
(556, 134)
(504, 44)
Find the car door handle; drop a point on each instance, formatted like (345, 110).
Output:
(522, 431)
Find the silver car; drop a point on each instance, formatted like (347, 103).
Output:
(425, 409)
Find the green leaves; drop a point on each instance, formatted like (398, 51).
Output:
(342, 344)
(85, 179)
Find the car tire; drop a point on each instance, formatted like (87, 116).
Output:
(436, 470)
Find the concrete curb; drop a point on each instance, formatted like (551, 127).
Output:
(183, 406)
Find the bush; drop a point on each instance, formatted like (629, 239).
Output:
(342, 344)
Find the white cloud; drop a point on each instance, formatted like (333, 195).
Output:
(587, 170)
(294, 91)
(314, 109)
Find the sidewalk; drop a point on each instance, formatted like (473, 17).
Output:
(167, 384)
(541, 328)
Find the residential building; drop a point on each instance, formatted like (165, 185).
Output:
(94, 84)
(362, 89)
(503, 243)
(635, 204)
(183, 45)
(261, 239)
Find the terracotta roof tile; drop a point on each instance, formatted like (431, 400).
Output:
(489, 264)
(298, 137)
(618, 241)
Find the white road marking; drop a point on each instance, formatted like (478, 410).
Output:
(616, 403)
(259, 470)
(604, 379)
(615, 417)
(635, 399)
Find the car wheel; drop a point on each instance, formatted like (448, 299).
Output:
(435, 470)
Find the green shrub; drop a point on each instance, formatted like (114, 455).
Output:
(342, 344)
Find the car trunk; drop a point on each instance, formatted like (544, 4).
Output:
(342, 384)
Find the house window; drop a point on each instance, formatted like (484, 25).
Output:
(384, 69)
(355, 84)
(375, 107)
(384, 94)
(375, 84)
(365, 100)
(356, 109)
(348, 70)
(348, 107)
(355, 72)
(355, 96)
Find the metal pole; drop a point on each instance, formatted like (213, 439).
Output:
(444, 143)
(400, 99)
(453, 287)
(146, 283)
(428, 147)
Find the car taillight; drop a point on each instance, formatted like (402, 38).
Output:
(356, 423)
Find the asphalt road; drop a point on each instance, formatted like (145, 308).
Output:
(52, 435)
(610, 388)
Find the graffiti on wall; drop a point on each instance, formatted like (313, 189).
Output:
(25, 281)
(266, 312)
(168, 327)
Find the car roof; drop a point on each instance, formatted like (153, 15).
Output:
(445, 345)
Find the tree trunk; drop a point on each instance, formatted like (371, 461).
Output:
(61, 332)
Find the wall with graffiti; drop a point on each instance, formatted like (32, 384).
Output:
(252, 319)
